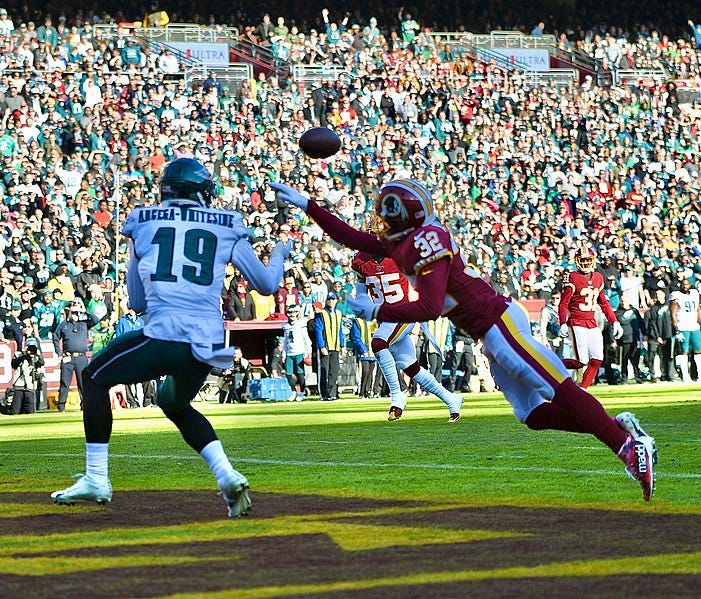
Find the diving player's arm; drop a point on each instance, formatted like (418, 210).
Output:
(431, 284)
(339, 230)
(343, 233)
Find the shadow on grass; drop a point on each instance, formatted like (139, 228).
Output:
(155, 543)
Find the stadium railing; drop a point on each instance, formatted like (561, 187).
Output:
(481, 46)
(231, 77)
(494, 39)
(173, 32)
(551, 77)
(312, 73)
(639, 76)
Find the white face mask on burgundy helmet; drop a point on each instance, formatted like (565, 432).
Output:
(585, 260)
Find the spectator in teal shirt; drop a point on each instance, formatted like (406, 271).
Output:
(8, 145)
(47, 314)
(612, 292)
(47, 33)
(131, 53)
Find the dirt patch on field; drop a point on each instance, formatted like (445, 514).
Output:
(401, 552)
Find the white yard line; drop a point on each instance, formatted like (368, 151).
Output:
(329, 464)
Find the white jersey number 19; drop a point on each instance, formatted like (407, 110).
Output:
(200, 247)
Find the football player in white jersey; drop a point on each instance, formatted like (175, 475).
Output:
(685, 310)
(179, 251)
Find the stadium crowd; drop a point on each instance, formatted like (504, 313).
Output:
(523, 174)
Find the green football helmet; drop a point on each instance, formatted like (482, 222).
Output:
(187, 179)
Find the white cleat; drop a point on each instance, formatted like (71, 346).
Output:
(235, 493)
(86, 488)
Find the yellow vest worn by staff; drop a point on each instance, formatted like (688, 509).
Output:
(439, 328)
(367, 330)
(332, 329)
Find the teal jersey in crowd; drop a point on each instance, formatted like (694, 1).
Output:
(47, 318)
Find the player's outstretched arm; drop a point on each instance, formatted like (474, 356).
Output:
(135, 287)
(363, 306)
(339, 230)
(264, 279)
(431, 284)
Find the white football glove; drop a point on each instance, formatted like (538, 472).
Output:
(617, 330)
(564, 330)
(290, 195)
(679, 337)
(363, 306)
(282, 249)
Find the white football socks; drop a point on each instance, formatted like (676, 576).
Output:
(389, 369)
(431, 384)
(96, 459)
(219, 464)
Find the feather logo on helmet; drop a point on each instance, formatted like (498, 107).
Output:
(403, 205)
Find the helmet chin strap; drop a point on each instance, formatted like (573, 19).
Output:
(405, 232)
(399, 234)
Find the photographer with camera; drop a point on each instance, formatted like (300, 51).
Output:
(27, 366)
(233, 381)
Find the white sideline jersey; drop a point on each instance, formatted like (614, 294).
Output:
(182, 253)
(296, 337)
(687, 317)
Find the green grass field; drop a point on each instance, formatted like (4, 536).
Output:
(476, 507)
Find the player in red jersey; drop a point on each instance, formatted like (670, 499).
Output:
(582, 290)
(380, 278)
(533, 379)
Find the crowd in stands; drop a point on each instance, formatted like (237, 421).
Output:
(523, 174)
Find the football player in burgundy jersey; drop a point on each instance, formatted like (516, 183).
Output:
(533, 379)
(582, 290)
(380, 278)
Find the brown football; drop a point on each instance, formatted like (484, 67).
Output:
(319, 142)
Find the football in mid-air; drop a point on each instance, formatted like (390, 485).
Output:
(319, 142)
